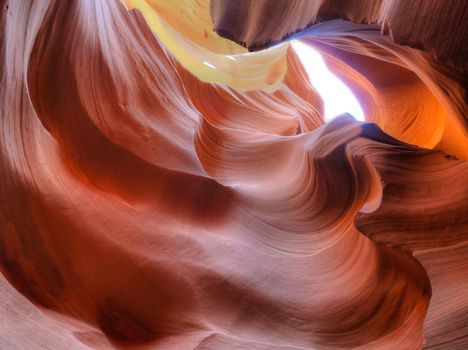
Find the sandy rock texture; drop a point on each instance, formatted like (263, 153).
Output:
(161, 187)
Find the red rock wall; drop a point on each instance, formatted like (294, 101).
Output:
(142, 208)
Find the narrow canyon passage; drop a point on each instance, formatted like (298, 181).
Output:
(220, 174)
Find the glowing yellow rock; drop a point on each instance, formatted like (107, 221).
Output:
(185, 29)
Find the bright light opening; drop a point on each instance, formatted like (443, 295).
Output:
(337, 97)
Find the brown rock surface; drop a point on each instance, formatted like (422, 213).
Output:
(437, 26)
(143, 208)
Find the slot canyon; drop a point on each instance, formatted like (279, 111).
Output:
(233, 174)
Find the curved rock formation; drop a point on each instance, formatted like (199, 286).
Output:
(163, 188)
(436, 26)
